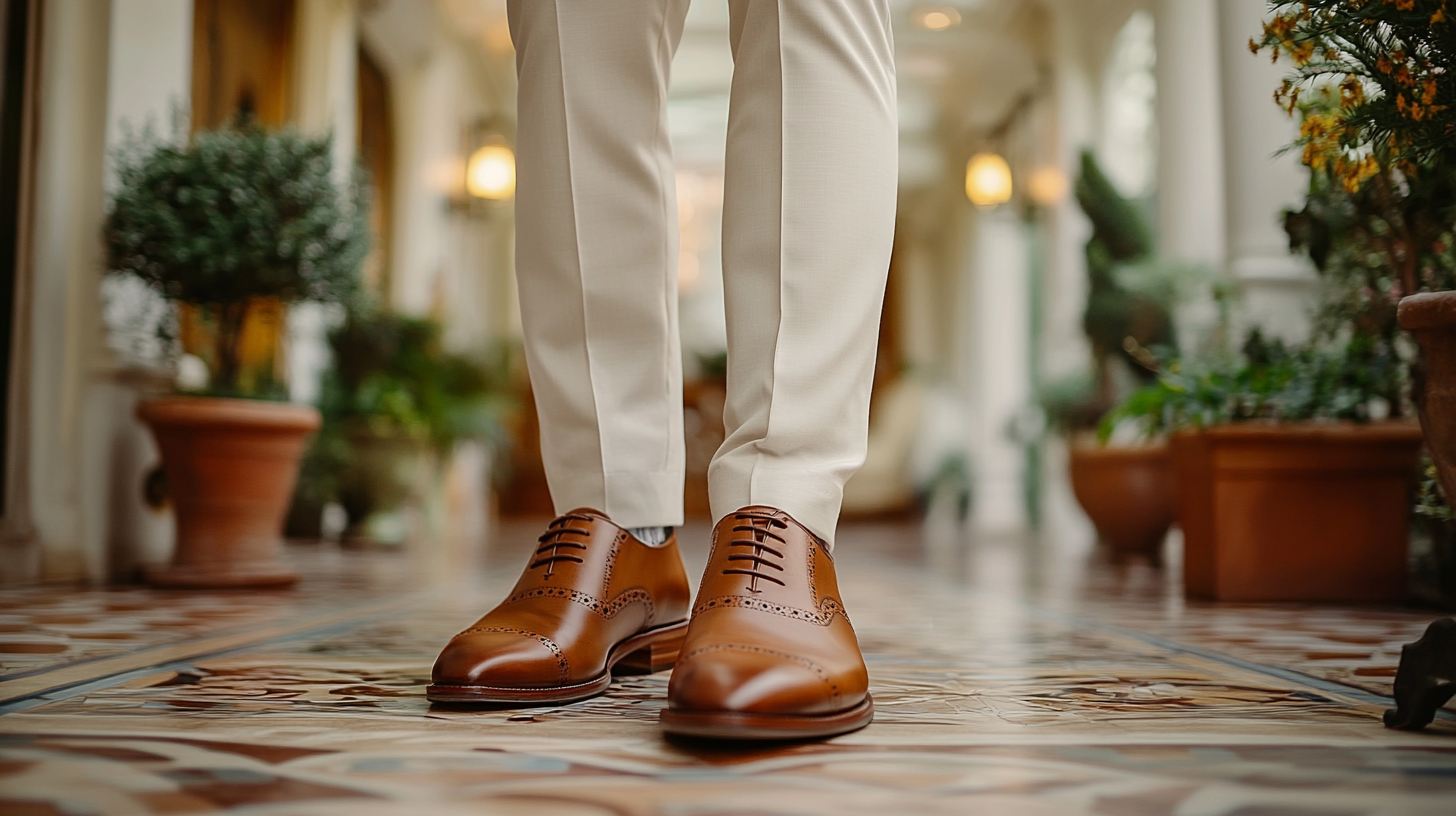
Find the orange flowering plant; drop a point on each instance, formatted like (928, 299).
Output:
(1391, 67)
(1374, 82)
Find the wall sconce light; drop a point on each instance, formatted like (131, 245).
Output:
(491, 171)
(936, 18)
(988, 180)
(1047, 186)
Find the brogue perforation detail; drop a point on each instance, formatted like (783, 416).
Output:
(607, 609)
(823, 616)
(817, 669)
(563, 666)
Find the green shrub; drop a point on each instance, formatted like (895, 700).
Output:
(393, 372)
(1268, 381)
(234, 215)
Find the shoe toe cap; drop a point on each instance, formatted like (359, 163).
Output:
(745, 681)
(499, 659)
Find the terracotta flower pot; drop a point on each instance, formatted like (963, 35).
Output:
(1296, 512)
(1127, 491)
(231, 466)
(1431, 318)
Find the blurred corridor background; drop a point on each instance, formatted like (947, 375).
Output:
(1153, 496)
(999, 100)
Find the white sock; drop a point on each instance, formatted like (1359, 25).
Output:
(651, 536)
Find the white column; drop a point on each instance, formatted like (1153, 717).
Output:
(1190, 135)
(325, 102)
(149, 80)
(63, 304)
(1190, 195)
(1002, 385)
(150, 73)
(325, 95)
(1277, 288)
(1064, 345)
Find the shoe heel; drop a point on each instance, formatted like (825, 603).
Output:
(659, 656)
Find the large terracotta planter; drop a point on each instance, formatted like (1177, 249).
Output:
(1431, 318)
(1296, 512)
(1127, 491)
(231, 466)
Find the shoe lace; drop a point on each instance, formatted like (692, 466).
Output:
(552, 540)
(756, 531)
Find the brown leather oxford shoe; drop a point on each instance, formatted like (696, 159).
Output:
(770, 653)
(593, 600)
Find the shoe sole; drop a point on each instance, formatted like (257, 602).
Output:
(646, 652)
(738, 725)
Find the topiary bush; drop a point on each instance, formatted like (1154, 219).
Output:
(235, 215)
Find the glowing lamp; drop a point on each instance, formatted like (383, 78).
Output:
(491, 172)
(988, 180)
(1047, 186)
(938, 18)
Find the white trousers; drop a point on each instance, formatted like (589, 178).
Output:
(808, 221)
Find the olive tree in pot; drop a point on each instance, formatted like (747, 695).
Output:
(1388, 137)
(232, 217)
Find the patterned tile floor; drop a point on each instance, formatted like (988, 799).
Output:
(1011, 677)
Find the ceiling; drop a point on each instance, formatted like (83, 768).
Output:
(952, 82)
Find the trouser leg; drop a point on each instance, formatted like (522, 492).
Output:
(808, 222)
(596, 251)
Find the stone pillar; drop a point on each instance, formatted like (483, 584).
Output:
(60, 299)
(1065, 351)
(325, 102)
(1277, 288)
(1001, 389)
(1190, 152)
(149, 84)
(325, 82)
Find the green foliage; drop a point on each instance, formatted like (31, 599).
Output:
(1070, 404)
(1268, 381)
(1373, 245)
(1119, 230)
(1431, 500)
(237, 214)
(1129, 299)
(394, 373)
(1390, 238)
(1394, 63)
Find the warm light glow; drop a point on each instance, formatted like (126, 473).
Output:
(491, 172)
(689, 271)
(938, 18)
(988, 180)
(1047, 186)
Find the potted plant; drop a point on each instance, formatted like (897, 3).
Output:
(395, 403)
(1290, 485)
(233, 218)
(1124, 487)
(1388, 136)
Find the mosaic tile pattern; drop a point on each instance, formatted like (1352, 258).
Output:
(1011, 686)
(43, 628)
